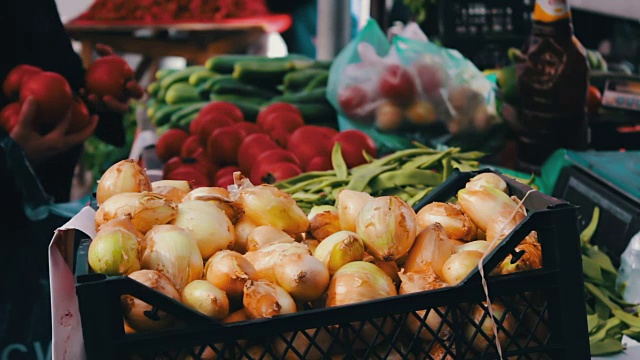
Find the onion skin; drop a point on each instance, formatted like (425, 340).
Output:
(338, 249)
(268, 205)
(123, 176)
(204, 297)
(502, 224)
(229, 271)
(417, 282)
(264, 299)
(359, 281)
(114, 251)
(134, 309)
(265, 235)
(430, 250)
(219, 197)
(243, 228)
(482, 205)
(387, 226)
(323, 221)
(179, 184)
(487, 179)
(459, 265)
(477, 313)
(170, 193)
(145, 209)
(207, 224)
(456, 223)
(173, 252)
(303, 276)
(531, 260)
(265, 259)
(349, 204)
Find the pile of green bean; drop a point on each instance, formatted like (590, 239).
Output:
(409, 174)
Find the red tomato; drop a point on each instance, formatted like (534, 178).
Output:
(252, 146)
(351, 100)
(430, 76)
(109, 75)
(276, 107)
(223, 145)
(79, 117)
(224, 181)
(190, 146)
(286, 120)
(247, 127)
(310, 141)
(397, 84)
(52, 94)
(170, 143)
(171, 164)
(209, 123)
(272, 173)
(280, 136)
(268, 158)
(223, 107)
(11, 84)
(319, 163)
(225, 171)
(201, 160)
(353, 143)
(189, 173)
(10, 115)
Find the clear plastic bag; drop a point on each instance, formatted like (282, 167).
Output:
(629, 272)
(408, 89)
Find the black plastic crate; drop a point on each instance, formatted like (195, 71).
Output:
(545, 306)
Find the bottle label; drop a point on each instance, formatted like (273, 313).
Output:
(551, 10)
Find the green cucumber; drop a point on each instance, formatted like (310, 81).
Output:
(179, 76)
(322, 64)
(265, 74)
(233, 86)
(320, 81)
(318, 95)
(318, 114)
(184, 122)
(225, 63)
(250, 106)
(164, 72)
(160, 95)
(187, 110)
(204, 88)
(163, 115)
(298, 79)
(181, 92)
(153, 88)
(201, 76)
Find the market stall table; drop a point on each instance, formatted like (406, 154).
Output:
(194, 41)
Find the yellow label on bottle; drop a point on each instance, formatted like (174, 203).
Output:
(551, 10)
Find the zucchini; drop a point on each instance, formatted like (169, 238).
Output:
(163, 115)
(153, 88)
(186, 111)
(179, 76)
(298, 79)
(201, 76)
(318, 95)
(232, 86)
(164, 72)
(181, 92)
(320, 81)
(265, 74)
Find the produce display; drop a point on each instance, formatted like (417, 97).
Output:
(249, 82)
(171, 10)
(250, 252)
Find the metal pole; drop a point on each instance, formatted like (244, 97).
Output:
(334, 27)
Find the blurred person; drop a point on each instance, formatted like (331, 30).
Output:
(36, 170)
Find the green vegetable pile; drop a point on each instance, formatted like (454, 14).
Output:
(409, 174)
(609, 317)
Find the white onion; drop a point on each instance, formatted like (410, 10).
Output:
(431, 249)
(134, 309)
(482, 319)
(387, 226)
(459, 265)
(173, 252)
(243, 228)
(359, 281)
(219, 197)
(303, 276)
(264, 299)
(478, 245)
(323, 221)
(264, 260)
(123, 176)
(456, 223)
(338, 249)
(487, 179)
(266, 235)
(229, 270)
(349, 204)
(114, 251)
(268, 205)
(170, 193)
(416, 282)
(183, 185)
(481, 205)
(145, 209)
(207, 224)
(204, 297)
